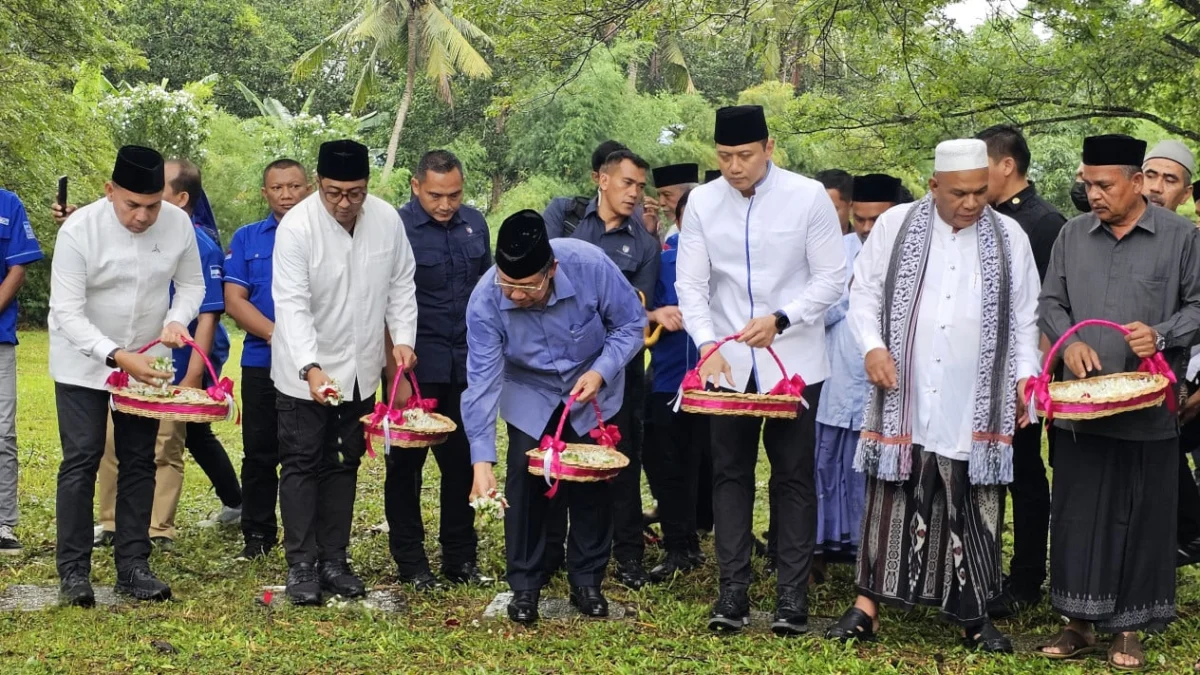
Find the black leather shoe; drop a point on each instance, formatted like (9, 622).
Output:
(986, 638)
(256, 547)
(303, 584)
(75, 590)
(696, 557)
(422, 582)
(523, 608)
(631, 574)
(337, 578)
(141, 584)
(731, 611)
(467, 573)
(676, 562)
(589, 601)
(771, 567)
(791, 613)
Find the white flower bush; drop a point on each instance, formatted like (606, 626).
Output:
(172, 122)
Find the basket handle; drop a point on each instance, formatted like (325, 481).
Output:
(1038, 387)
(191, 343)
(649, 337)
(793, 385)
(552, 448)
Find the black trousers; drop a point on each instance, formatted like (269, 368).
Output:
(211, 457)
(525, 523)
(1030, 492)
(320, 448)
(83, 426)
(678, 441)
(260, 447)
(628, 542)
(790, 446)
(1188, 522)
(402, 493)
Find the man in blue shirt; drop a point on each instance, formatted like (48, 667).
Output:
(183, 187)
(612, 223)
(452, 250)
(681, 448)
(248, 300)
(18, 248)
(547, 322)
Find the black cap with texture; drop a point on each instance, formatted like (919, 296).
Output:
(139, 169)
(522, 245)
(1113, 150)
(877, 187)
(740, 124)
(343, 160)
(676, 174)
(711, 175)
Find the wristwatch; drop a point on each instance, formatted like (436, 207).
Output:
(781, 321)
(1160, 341)
(111, 359)
(305, 369)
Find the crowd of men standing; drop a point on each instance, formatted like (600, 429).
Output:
(915, 326)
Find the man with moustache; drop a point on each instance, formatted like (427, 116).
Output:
(113, 261)
(452, 251)
(248, 274)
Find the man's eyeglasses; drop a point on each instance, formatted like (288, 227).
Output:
(335, 196)
(523, 289)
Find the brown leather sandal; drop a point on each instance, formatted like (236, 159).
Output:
(1074, 642)
(1130, 645)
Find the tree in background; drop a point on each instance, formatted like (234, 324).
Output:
(423, 31)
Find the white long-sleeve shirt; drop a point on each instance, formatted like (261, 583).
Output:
(109, 288)
(335, 293)
(742, 258)
(946, 348)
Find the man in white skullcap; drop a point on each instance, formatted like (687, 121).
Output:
(1168, 169)
(943, 306)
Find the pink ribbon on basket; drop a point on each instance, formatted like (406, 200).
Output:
(552, 447)
(223, 391)
(385, 415)
(1038, 387)
(117, 379)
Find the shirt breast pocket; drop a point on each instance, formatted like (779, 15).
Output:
(587, 340)
(431, 268)
(258, 267)
(476, 248)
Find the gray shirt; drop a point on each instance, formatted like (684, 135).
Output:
(1150, 276)
(630, 246)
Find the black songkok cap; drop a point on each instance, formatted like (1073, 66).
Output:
(676, 174)
(876, 187)
(740, 124)
(1113, 150)
(711, 175)
(139, 170)
(343, 160)
(522, 245)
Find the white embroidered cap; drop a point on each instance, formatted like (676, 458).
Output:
(960, 154)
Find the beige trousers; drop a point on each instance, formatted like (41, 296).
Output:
(168, 479)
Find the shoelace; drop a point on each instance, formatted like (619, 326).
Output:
(6, 532)
(304, 575)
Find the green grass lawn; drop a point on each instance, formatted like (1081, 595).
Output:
(216, 625)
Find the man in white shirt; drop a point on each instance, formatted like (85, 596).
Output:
(946, 288)
(343, 269)
(760, 255)
(112, 263)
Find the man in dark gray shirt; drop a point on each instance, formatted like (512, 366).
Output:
(1112, 551)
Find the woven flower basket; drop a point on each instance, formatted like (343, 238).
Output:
(175, 403)
(555, 460)
(783, 401)
(416, 425)
(1102, 396)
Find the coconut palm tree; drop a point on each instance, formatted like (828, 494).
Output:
(382, 30)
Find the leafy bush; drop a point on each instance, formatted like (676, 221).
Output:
(173, 122)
